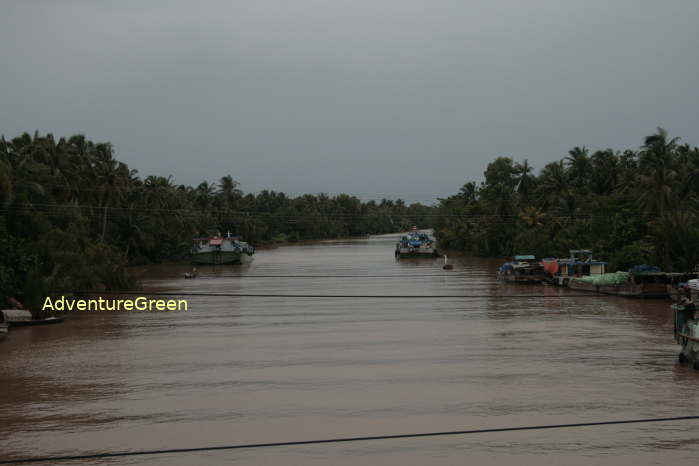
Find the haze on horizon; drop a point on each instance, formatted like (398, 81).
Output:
(388, 98)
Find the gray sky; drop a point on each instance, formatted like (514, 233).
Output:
(372, 97)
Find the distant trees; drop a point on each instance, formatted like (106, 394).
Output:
(72, 217)
(630, 207)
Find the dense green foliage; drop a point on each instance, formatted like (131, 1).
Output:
(74, 218)
(630, 207)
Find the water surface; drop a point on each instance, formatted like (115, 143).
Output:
(237, 370)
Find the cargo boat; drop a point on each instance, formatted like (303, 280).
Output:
(523, 269)
(639, 282)
(216, 250)
(579, 264)
(416, 244)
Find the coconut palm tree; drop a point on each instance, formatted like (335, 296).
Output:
(525, 180)
(579, 164)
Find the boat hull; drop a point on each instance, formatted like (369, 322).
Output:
(31, 323)
(514, 278)
(632, 290)
(219, 257)
(425, 253)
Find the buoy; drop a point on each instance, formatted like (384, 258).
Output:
(447, 266)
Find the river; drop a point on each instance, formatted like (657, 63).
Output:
(233, 370)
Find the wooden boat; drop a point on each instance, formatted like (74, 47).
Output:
(24, 318)
(46, 321)
(579, 264)
(523, 269)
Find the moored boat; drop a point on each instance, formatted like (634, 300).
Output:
(579, 264)
(217, 250)
(23, 318)
(686, 331)
(523, 269)
(639, 282)
(416, 244)
(683, 285)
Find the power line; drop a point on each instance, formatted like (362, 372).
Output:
(345, 440)
(334, 296)
(445, 274)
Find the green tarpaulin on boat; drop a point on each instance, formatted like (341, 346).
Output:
(606, 278)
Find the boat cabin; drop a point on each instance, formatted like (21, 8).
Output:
(579, 264)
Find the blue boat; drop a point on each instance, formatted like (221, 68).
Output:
(523, 269)
(416, 244)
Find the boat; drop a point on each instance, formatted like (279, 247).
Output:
(686, 332)
(579, 264)
(523, 269)
(683, 285)
(217, 250)
(23, 318)
(416, 244)
(3, 329)
(641, 281)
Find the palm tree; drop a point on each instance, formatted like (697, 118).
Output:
(579, 164)
(532, 216)
(554, 182)
(524, 178)
(657, 150)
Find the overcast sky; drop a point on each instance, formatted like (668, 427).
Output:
(373, 97)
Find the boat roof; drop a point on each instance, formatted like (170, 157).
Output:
(15, 315)
(525, 257)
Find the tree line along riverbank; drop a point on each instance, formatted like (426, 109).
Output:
(631, 207)
(74, 217)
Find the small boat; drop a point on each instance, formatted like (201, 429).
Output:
(24, 318)
(416, 244)
(686, 332)
(217, 250)
(579, 264)
(523, 269)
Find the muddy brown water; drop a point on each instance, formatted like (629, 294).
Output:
(250, 370)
